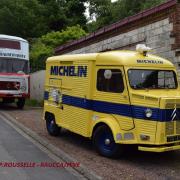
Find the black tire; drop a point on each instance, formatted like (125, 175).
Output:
(51, 126)
(104, 143)
(21, 102)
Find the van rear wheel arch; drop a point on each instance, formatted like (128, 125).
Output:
(52, 128)
(96, 126)
(49, 115)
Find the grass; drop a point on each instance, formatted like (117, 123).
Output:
(34, 103)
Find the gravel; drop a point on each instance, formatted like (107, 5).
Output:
(132, 165)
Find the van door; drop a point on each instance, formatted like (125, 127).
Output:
(111, 95)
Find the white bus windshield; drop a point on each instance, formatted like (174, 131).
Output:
(152, 79)
(13, 66)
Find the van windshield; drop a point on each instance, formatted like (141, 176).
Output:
(152, 79)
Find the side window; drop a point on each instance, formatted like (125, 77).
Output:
(110, 80)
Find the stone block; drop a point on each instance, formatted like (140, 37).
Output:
(157, 24)
(165, 21)
(148, 27)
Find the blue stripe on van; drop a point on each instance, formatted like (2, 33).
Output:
(99, 106)
(111, 108)
(116, 108)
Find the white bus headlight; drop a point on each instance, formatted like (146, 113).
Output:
(23, 85)
(148, 113)
(23, 88)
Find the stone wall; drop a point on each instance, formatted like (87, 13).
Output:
(155, 35)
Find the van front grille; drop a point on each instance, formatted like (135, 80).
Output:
(9, 85)
(169, 128)
(177, 127)
(172, 105)
(172, 116)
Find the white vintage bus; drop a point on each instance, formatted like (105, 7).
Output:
(14, 70)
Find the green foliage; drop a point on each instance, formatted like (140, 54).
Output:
(22, 18)
(152, 3)
(107, 12)
(54, 39)
(43, 47)
(33, 103)
(34, 18)
(62, 13)
(38, 54)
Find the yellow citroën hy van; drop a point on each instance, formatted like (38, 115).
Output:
(114, 98)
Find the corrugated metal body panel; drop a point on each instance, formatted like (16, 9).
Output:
(77, 119)
(145, 127)
(111, 97)
(142, 100)
(125, 123)
(81, 86)
(169, 128)
(177, 127)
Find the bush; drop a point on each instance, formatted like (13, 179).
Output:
(34, 103)
(43, 47)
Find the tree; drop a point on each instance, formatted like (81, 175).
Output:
(102, 10)
(43, 47)
(74, 10)
(22, 18)
(107, 12)
(33, 18)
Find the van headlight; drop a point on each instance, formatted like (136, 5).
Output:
(148, 113)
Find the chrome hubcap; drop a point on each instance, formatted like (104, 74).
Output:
(107, 141)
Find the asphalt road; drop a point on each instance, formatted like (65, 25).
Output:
(16, 148)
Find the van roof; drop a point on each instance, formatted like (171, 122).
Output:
(118, 57)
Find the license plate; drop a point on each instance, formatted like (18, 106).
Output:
(173, 138)
(176, 144)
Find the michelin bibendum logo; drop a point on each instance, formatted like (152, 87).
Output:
(144, 61)
(80, 71)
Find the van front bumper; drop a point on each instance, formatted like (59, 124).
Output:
(160, 148)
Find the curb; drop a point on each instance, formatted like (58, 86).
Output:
(83, 170)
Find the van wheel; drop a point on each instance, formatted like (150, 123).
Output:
(20, 103)
(104, 143)
(52, 127)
